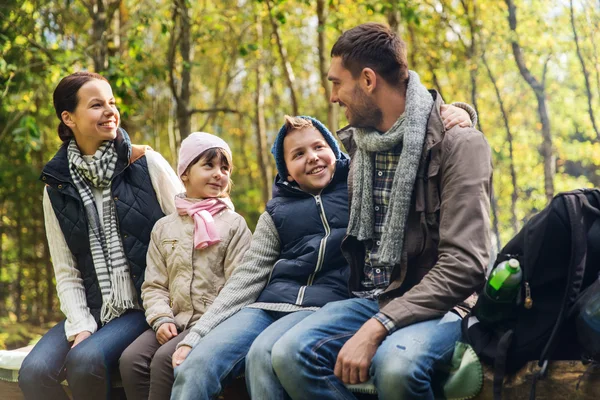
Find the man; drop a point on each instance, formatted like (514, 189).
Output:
(418, 236)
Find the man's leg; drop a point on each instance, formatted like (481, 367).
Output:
(304, 358)
(260, 378)
(407, 359)
(220, 356)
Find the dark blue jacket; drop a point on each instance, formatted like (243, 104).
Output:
(137, 210)
(311, 270)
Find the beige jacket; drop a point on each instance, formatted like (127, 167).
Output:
(447, 238)
(182, 282)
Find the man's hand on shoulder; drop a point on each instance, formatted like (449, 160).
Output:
(354, 359)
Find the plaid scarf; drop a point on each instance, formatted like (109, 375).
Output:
(111, 266)
(410, 131)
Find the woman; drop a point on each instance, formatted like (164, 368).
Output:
(102, 198)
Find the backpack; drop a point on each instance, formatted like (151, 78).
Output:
(559, 253)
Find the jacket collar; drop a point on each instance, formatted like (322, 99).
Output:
(57, 169)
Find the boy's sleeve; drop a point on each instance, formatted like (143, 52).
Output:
(155, 289)
(246, 282)
(237, 247)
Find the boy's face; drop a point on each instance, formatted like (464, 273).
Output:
(309, 159)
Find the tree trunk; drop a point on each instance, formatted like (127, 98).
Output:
(180, 39)
(261, 124)
(472, 59)
(540, 94)
(509, 138)
(20, 259)
(3, 291)
(323, 65)
(586, 75)
(101, 15)
(287, 67)
(394, 17)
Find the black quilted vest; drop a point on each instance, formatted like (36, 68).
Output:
(311, 270)
(137, 211)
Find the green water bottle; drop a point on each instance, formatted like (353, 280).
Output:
(504, 282)
(498, 299)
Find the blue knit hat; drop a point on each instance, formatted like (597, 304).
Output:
(277, 149)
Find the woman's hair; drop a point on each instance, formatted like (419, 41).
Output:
(218, 154)
(66, 99)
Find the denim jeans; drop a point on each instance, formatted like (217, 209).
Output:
(402, 368)
(87, 367)
(223, 354)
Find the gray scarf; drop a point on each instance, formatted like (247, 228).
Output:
(106, 247)
(410, 131)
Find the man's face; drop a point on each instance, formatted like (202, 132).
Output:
(360, 108)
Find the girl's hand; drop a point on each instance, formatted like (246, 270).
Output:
(180, 355)
(166, 332)
(81, 336)
(453, 116)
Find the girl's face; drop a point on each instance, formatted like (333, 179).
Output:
(96, 117)
(206, 178)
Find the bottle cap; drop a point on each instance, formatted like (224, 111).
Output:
(513, 264)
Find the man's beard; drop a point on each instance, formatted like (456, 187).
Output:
(364, 113)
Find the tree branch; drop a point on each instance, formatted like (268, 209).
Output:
(214, 110)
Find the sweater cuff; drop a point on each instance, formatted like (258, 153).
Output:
(86, 324)
(162, 320)
(191, 339)
(468, 108)
(386, 322)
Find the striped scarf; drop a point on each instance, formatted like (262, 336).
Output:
(111, 266)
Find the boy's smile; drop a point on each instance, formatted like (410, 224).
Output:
(309, 160)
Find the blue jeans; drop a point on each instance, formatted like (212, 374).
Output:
(402, 368)
(87, 367)
(225, 352)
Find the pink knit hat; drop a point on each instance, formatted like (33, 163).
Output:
(194, 145)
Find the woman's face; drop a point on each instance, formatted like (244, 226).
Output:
(96, 117)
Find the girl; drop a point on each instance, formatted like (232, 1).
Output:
(192, 253)
(101, 200)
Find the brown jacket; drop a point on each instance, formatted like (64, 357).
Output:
(446, 246)
(182, 282)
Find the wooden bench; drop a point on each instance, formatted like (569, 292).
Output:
(560, 382)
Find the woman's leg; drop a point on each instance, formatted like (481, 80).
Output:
(134, 365)
(220, 356)
(90, 363)
(161, 369)
(261, 381)
(42, 370)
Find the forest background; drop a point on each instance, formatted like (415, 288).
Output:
(531, 68)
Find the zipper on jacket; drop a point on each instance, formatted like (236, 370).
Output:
(273, 269)
(172, 242)
(322, 247)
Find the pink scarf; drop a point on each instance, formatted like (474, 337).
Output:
(205, 231)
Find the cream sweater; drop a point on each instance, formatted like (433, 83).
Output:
(69, 284)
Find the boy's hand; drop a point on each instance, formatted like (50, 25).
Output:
(180, 355)
(453, 116)
(166, 332)
(81, 336)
